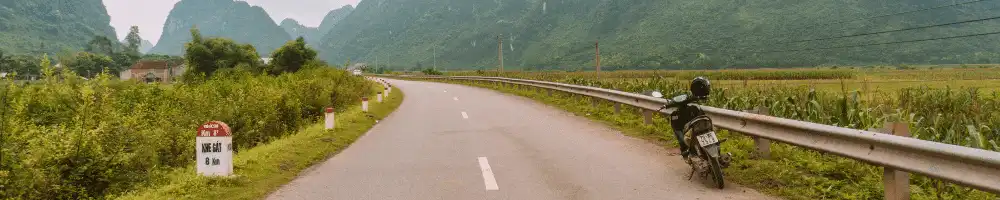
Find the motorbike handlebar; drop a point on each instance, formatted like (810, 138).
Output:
(673, 104)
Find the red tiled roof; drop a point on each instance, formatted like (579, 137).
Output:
(150, 65)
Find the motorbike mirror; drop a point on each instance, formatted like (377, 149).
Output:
(656, 94)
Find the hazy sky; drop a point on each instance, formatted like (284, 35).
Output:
(150, 15)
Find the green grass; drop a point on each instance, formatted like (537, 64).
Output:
(263, 169)
(792, 172)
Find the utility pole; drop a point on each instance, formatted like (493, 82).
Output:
(435, 59)
(500, 51)
(597, 45)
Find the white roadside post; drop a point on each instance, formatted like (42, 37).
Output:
(329, 118)
(364, 104)
(386, 93)
(380, 97)
(388, 89)
(214, 149)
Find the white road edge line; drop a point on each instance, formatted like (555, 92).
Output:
(465, 115)
(491, 182)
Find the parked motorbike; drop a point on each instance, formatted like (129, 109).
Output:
(695, 133)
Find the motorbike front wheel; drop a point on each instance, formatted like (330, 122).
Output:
(717, 172)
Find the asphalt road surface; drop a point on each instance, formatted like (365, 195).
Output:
(459, 142)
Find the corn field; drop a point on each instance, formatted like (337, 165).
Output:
(800, 74)
(953, 116)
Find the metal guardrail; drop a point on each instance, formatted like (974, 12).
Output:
(966, 166)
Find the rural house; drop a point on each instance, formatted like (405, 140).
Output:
(153, 71)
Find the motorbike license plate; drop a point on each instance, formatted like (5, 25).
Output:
(707, 139)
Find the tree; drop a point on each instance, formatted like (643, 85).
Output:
(292, 56)
(101, 44)
(46, 66)
(205, 56)
(107, 47)
(124, 59)
(25, 65)
(6, 63)
(89, 64)
(133, 40)
(171, 60)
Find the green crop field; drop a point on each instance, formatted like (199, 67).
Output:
(942, 104)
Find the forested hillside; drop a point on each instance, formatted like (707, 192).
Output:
(657, 33)
(294, 29)
(145, 46)
(220, 18)
(48, 26)
(333, 17)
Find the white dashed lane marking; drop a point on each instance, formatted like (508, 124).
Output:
(490, 181)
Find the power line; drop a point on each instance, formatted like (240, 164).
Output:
(890, 31)
(899, 13)
(884, 43)
(799, 33)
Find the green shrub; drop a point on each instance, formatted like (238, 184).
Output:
(431, 71)
(67, 138)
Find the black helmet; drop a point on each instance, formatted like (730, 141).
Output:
(700, 87)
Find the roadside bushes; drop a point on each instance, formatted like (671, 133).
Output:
(69, 138)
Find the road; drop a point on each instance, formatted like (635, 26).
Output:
(458, 142)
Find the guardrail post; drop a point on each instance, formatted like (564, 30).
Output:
(549, 92)
(897, 183)
(648, 116)
(594, 101)
(618, 108)
(762, 145)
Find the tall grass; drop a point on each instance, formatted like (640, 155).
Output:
(69, 138)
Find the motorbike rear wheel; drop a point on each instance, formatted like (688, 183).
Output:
(717, 172)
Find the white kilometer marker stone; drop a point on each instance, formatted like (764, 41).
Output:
(491, 182)
(465, 115)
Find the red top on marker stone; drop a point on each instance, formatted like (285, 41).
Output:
(214, 129)
(364, 98)
(329, 109)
